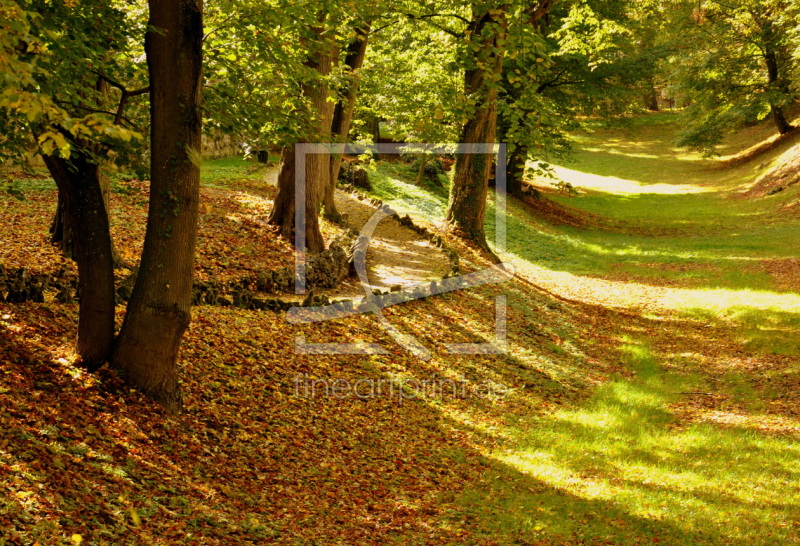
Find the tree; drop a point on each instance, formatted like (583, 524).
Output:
(343, 110)
(55, 89)
(316, 88)
(411, 80)
(484, 51)
(159, 311)
(734, 64)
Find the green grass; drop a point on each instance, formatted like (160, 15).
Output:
(392, 184)
(616, 469)
(622, 467)
(653, 227)
(222, 172)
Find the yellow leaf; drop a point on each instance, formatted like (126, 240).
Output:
(137, 521)
(76, 538)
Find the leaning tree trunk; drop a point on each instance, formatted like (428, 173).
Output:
(317, 164)
(467, 206)
(83, 210)
(159, 309)
(343, 115)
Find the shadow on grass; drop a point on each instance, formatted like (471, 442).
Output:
(619, 469)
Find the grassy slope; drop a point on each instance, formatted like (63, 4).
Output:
(580, 433)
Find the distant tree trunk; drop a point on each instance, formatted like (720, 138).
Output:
(343, 114)
(651, 98)
(467, 206)
(318, 168)
(536, 15)
(421, 171)
(60, 233)
(159, 310)
(83, 213)
(515, 170)
(774, 79)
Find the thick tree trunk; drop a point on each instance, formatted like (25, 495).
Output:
(283, 208)
(467, 206)
(779, 118)
(318, 167)
(343, 114)
(159, 310)
(84, 214)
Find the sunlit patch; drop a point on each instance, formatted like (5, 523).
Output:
(620, 294)
(621, 186)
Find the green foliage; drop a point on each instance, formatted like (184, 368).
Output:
(410, 78)
(62, 72)
(257, 60)
(733, 63)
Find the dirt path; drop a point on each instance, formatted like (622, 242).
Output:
(396, 256)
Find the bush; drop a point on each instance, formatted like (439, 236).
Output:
(353, 173)
(433, 168)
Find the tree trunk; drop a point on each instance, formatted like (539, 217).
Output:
(159, 310)
(343, 114)
(781, 123)
(515, 171)
(651, 98)
(318, 167)
(421, 171)
(83, 211)
(467, 206)
(374, 128)
(774, 79)
(61, 234)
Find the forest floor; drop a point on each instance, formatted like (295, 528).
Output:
(648, 392)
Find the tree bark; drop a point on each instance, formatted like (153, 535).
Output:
(318, 168)
(159, 310)
(774, 79)
(61, 234)
(515, 170)
(421, 171)
(467, 206)
(84, 214)
(343, 114)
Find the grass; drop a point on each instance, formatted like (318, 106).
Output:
(669, 215)
(619, 468)
(223, 172)
(678, 449)
(392, 184)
